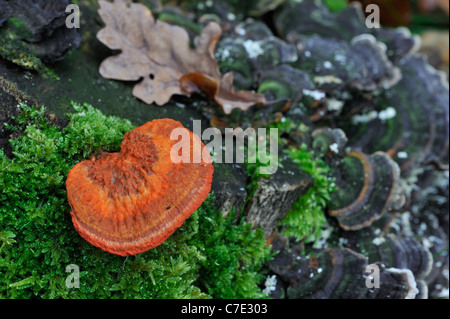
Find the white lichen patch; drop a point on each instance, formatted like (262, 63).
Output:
(327, 65)
(241, 31)
(384, 115)
(378, 241)
(270, 285)
(326, 233)
(253, 48)
(335, 105)
(342, 242)
(341, 58)
(315, 94)
(222, 54)
(364, 118)
(327, 79)
(387, 114)
(334, 148)
(402, 155)
(231, 16)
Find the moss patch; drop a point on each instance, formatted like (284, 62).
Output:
(307, 216)
(207, 257)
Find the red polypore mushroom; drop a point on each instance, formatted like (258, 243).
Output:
(129, 202)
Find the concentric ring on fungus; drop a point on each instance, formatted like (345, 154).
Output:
(367, 187)
(132, 201)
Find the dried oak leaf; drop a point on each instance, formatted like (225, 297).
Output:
(160, 55)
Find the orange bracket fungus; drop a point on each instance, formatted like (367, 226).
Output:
(129, 202)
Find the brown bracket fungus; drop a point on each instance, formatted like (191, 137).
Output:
(367, 187)
(335, 273)
(129, 202)
(418, 134)
(296, 19)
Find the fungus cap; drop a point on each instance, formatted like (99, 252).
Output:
(367, 187)
(129, 202)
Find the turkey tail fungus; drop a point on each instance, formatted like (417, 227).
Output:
(132, 201)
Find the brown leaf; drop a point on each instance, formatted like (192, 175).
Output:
(222, 91)
(160, 55)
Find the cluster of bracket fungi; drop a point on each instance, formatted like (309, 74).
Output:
(383, 129)
(378, 115)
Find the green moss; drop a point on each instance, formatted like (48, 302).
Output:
(38, 240)
(234, 255)
(306, 217)
(336, 5)
(89, 130)
(20, 27)
(254, 164)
